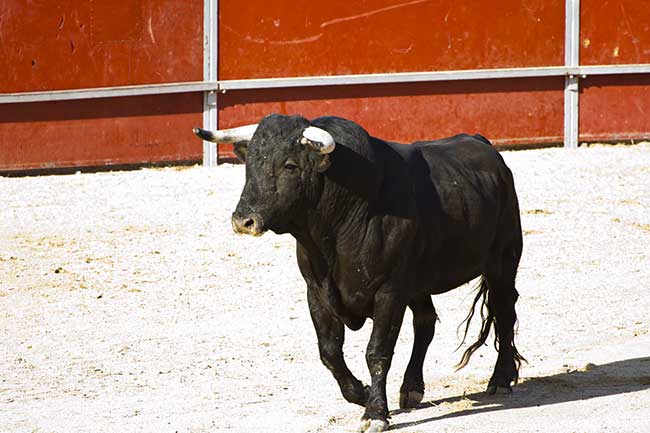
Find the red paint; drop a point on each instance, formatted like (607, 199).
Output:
(508, 112)
(68, 44)
(614, 32)
(95, 132)
(300, 38)
(615, 108)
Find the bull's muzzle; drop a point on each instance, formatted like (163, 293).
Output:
(247, 224)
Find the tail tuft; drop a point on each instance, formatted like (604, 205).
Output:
(487, 318)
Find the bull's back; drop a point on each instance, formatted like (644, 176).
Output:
(466, 172)
(463, 151)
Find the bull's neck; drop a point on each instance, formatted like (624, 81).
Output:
(334, 222)
(338, 215)
(349, 188)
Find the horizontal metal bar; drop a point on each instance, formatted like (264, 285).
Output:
(613, 69)
(108, 92)
(400, 77)
(413, 77)
(333, 80)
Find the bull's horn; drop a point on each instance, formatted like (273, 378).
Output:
(319, 139)
(233, 135)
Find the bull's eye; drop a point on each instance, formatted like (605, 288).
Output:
(290, 166)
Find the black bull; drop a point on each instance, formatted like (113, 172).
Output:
(380, 227)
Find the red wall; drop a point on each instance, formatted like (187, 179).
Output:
(71, 44)
(615, 107)
(94, 132)
(305, 37)
(614, 32)
(514, 111)
(344, 37)
(97, 43)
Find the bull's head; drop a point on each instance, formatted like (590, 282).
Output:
(284, 156)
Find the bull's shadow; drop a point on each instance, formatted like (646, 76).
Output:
(603, 380)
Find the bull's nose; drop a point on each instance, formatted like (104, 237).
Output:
(246, 224)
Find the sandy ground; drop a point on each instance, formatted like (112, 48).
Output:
(128, 305)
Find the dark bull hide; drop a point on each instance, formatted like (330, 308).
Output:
(381, 227)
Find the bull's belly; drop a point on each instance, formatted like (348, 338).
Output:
(451, 269)
(358, 298)
(357, 294)
(430, 272)
(445, 283)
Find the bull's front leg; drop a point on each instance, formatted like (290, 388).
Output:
(330, 332)
(387, 321)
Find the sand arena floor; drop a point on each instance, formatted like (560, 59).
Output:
(128, 305)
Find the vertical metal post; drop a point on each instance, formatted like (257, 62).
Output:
(210, 112)
(571, 84)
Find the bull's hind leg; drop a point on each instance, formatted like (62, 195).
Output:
(424, 324)
(502, 296)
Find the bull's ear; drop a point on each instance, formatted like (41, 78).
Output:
(241, 150)
(324, 163)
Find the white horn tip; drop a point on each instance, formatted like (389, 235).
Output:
(321, 136)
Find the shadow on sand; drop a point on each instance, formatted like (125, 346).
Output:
(603, 380)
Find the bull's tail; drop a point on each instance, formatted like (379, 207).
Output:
(488, 319)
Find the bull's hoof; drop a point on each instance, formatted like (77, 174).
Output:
(372, 426)
(356, 393)
(494, 389)
(410, 399)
